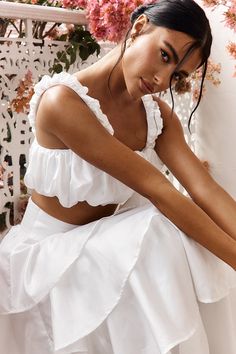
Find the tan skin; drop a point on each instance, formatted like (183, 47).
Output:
(209, 216)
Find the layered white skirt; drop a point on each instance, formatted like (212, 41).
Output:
(131, 283)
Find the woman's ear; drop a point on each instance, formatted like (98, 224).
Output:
(139, 26)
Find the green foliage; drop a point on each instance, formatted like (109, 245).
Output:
(80, 43)
(3, 222)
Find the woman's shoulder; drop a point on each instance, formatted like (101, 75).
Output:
(57, 90)
(64, 97)
(55, 105)
(164, 107)
(53, 92)
(170, 118)
(58, 96)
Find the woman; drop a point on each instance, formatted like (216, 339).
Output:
(110, 257)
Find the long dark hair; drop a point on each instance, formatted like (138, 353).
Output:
(180, 15)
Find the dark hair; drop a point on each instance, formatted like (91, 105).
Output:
(184, 16)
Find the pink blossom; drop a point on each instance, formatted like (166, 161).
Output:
(192, 83)
(2, 170)
(110, 20)
(21, 206)
(211, 3)
(231, 47)
(74, 4)
(230, 17)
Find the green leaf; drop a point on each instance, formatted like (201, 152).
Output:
(59, 54)
(72, 57)
(63, 58)
(63, 37)
(57, 68)
(83, 52)
(69, 50)
(67, 65)
(94, 47)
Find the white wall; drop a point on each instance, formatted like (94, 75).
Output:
(216, 116)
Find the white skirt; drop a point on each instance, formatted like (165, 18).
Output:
(131, 283)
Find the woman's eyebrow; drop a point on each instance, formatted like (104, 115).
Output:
(173, 51)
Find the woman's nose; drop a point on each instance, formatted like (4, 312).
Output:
(162, 78)
(162, 81)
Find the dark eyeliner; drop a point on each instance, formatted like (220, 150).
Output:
(165, 54)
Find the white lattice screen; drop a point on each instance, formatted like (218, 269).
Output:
(17, 55)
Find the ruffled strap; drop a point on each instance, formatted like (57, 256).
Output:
(154, 120)
(70, 81)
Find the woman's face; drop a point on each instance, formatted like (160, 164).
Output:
(152, 57)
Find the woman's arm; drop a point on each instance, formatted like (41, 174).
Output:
(62, 114)
(186, 167)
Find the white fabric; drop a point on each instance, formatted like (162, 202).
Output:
(130, 283)
(48, 172)
(127, 283)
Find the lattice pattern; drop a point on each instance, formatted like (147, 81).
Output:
(17, 56)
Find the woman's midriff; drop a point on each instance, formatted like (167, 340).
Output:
(79, 214)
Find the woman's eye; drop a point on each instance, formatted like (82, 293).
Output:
(165, 56)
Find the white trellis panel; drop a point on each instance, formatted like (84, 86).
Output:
(17, 56)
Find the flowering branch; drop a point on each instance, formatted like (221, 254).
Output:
(24, 93)
(108, 20)
(192, 83)
(229, 19)
(231, 47)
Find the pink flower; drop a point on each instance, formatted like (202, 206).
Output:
(25, 91)
(230, 20)
(193, 82)
(74, 4)
(231, 47)
(21, 206)
(230, 17)
(110, 20)
(2, 170)
(211, 3)
(53, 34)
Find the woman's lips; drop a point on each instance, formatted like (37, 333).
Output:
(145, 87)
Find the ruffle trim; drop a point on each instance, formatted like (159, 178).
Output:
(154, 119)
(82, 181)
(70, 81)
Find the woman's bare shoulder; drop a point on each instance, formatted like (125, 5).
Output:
(171, 121)
(56, 101)
(164, 107)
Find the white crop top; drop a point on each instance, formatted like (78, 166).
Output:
(64, 174)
